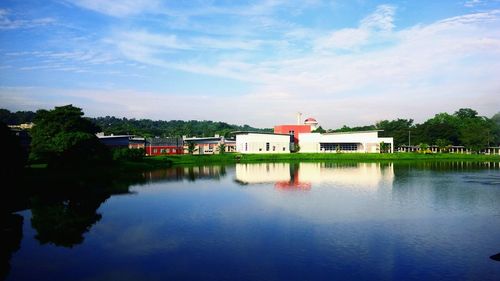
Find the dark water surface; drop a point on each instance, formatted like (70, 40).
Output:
(281, 221)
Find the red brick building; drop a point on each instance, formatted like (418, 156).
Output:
(162, 146)
(292, 130)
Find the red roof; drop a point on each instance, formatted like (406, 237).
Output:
(310, 120)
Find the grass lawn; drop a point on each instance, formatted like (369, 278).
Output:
(311, 157)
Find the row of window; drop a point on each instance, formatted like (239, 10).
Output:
(338, 146)
(268, 147)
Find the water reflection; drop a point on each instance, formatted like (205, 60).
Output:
(12, 234)
(303, 176)
(191, 173)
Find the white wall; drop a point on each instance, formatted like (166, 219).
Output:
(368, 142)
(256, 143)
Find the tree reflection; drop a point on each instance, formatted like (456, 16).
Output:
(63, 223)
(12, 234)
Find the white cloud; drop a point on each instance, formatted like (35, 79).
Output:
(118, 8)
(8, 21)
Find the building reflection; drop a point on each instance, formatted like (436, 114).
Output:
(191, 173)
(302, 176)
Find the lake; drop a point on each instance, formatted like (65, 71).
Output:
(266, 221)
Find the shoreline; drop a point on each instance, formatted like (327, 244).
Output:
(231, 158)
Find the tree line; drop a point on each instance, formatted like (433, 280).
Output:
(463, 127)
(142, 127)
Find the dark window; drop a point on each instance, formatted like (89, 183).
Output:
(267, 146)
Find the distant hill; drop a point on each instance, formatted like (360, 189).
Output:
(143, 127)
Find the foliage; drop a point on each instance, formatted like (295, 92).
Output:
(150, 128)
(126, 154)
(424, 148)
(319, 130)
(398, 129)
(63, 138)
(384, 147)
(191, 147)
(443, 145)
(13, 156)
(221, 148)
(16, 118)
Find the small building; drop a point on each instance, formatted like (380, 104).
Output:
(345, 142)
(312, 123)
(112, 141)
(137, 143)
(163, 146)
(257, 142)
(210, 145)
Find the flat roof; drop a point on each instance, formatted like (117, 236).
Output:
(116, 136)
(259, 133)
(352, 132)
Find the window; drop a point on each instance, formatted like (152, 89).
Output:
(155, 150)
(162, 150)
(338, 146)
(168, 150)
(246, 146)
(267, 146)
(274, 148)
(284, 148)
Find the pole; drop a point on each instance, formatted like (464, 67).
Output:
(409, 138)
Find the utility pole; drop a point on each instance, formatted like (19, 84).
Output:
(409, 138)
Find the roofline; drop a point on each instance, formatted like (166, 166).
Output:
(259, 133)
(116, 136)
(353, 132)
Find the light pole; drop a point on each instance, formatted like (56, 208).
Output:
(409, 138)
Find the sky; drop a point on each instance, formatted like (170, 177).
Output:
(252, 62)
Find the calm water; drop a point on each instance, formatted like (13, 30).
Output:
(307, 221)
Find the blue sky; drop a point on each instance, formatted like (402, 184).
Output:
(252, 62)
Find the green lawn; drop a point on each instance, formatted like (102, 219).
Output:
(312, 157)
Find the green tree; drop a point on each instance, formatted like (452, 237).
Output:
(63, 138)
(443, 145)
(13, 156)
(191, 147)
(398, 129)
(221, 148)
(475, 133)
(384, 147)
(319, 130)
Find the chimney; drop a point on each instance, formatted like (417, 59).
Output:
(299, 117)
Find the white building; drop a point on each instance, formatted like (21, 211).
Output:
(262, 143)
(366, 141)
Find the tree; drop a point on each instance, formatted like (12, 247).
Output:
(319, 130)
(63, 138)
(221, 148)
(424, 148)
(384, 147)
(13, 155)
(475, 134)
(464, 113)
(398, 129)
(443, 145)
(191, 147)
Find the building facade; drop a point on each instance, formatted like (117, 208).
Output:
(346, 142)
(164, 146)
(293, 131)
(262, 143)
(209, 145)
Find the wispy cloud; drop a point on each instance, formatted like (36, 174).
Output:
(118, 8)
(10, 21)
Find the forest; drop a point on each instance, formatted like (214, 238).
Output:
(463, 127)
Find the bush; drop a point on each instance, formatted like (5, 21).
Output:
(126, 154)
